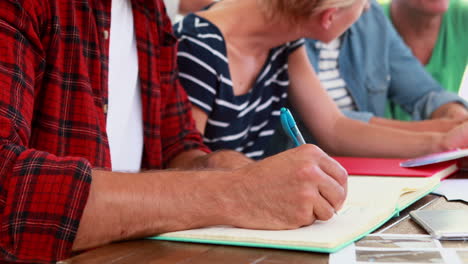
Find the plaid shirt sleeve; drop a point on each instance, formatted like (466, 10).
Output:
(42, 196)
(178, 127)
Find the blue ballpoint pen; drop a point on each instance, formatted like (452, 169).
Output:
(290, 127)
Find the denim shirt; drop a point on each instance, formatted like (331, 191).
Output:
(377, 66)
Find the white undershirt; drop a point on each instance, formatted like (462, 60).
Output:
(124, 117)
(172, 8)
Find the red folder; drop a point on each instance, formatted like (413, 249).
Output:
(391, 167)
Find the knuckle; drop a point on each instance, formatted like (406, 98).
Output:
(342, 176)
(340, 198)
(313, 149)
(305, 195)
(307, 171)
(337, 199)
(341, 194)
(345, 192)
(329, 214)
(339, 173)
(302, 174)
(309, 150)
(326, 214)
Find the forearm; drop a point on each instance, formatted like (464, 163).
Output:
(227, 159)
(123, 206)
(276, 193)
(354, 138)
(340, 135)
(435, 125)
(223, 159)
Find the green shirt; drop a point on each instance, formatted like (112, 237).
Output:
(450, 55)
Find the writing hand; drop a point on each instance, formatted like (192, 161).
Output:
(289, 190)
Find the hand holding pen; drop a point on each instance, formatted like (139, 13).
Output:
(290, 127)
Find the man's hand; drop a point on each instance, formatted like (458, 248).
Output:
(451, 110)
(456, 138)
(286, 191)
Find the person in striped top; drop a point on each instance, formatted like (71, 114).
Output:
(242, 120)
(240, 59)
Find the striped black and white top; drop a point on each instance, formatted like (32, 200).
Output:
(245, 122)
(330, 77)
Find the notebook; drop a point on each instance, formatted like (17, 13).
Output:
(371, 201)
(391, 167)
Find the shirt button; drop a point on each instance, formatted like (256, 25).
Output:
(104, 108)
(106, 34)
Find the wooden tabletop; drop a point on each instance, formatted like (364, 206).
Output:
(150, 251)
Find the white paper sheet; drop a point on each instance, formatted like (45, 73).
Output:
(345, 255)
(454, 189)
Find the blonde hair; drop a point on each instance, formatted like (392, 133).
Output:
(298, 9)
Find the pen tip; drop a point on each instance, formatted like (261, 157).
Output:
(283, 109)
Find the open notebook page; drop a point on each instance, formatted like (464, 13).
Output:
(371, 201)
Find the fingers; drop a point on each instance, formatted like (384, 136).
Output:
(330, 166)
(323, 210)
(330, 179)
(333, 181)
(333, 193)
(291, 189)
(334, 170)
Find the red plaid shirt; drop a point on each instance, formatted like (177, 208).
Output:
(53, 103)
